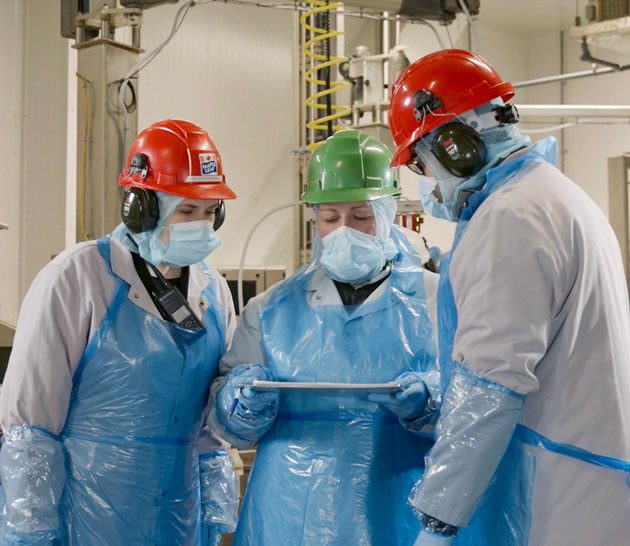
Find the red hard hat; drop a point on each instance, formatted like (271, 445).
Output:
(458, 79)
(177, 157)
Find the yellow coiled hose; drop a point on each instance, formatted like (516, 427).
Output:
(322, 62)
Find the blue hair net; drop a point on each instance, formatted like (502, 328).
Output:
(149, 243)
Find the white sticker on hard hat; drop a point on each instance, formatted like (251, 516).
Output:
(208, 164)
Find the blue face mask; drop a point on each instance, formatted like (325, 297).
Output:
(189, 243)
(429, 200)
(352, 256)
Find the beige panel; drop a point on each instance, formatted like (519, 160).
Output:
(11, 30)
(618, 212)
(43, 181)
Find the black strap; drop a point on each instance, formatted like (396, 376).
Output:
(158, 286)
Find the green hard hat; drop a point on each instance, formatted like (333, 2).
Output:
(350, 166)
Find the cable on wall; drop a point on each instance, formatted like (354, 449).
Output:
(86, 139)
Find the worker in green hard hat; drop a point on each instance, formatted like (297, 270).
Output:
(336, 467)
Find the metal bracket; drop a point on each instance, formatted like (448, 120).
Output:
(586, 56)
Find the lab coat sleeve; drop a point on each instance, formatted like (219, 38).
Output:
(505, 274)
(508, 282)
(51, 336)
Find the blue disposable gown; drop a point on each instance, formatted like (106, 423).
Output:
(337, 470)
(130, 435)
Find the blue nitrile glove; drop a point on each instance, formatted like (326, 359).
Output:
(209, 535)
(430, 539)
(246, 413)
(408, 403)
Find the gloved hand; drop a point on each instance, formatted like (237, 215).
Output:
(408, 403)
(245, 412)
(430, 539)
(209, 535)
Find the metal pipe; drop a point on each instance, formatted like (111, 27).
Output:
(597, 111)
(565, 77)
(135, 36)
(385, 45)
(562, 86)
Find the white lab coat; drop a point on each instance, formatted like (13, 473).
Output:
(542, 309)
(62, 310)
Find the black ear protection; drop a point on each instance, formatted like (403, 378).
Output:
(140, 210)
(219, 215)
(457, 146)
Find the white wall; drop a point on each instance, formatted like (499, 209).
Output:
(583, 149)
(33, 60)
(587, 147)
(231, 70)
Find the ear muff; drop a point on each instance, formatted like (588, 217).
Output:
(140, 210)
(459, 148)
(219, 216)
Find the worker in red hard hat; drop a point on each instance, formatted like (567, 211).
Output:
(533, 321)
(117, 343)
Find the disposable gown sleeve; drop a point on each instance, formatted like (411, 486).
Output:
(477, 420)
(33, 477)
(219, 493)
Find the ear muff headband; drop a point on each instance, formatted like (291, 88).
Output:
(140, 210)
(459, 148)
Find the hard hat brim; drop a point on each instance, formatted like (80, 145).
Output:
(346, 195)
(212, 190)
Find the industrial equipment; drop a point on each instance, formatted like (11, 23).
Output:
(255, 280)
(107, 70)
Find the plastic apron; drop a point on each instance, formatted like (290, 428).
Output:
(130, 438)
(337, 470)
(503, 516)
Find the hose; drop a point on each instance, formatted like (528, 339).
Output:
(241, 265)
(322, 62)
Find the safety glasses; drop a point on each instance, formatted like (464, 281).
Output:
(416, 164)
